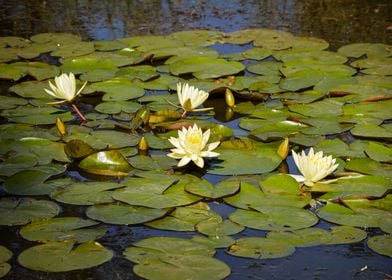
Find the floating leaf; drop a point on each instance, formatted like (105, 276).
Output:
(218, 227)
(260, 248)
(346, 235)
(21, 211)
(302, 238)
(183, 219)
(61, 229)
(223, 188)
(381, 244)
(204, 67)
(5, 255)
(85, 193)
(108, 163)
(63, 256)
(251, 159)
(123, 214)
(274, 218)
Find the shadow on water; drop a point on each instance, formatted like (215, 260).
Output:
(337, 21)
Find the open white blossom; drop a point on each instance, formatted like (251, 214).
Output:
(191, 145)
(190, 97)
(313, 166)
(65, 88)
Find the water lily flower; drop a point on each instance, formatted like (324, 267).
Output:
(313, 166)
(191, 145)
(65, 89)
(190, 98)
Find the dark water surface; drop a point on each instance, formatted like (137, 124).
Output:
(338, 22)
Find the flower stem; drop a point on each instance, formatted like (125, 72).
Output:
(183, 115)
(76, 109)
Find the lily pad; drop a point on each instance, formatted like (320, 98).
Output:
(346, 235)
(63, 256)
(86, 193)
(108, 163)
(123, 214)
(183, 219)
(5, 255)
(22, 211)
(260, 248)
(223, 188)
(61, 229)
(218, 227)
(251, 158)
(204, 67)
(163, 193)
(303, 237)
(381, 244)
(283, 218)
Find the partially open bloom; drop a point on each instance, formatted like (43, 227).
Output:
(190, 98)
(313, 166)
(65, 88)
(191, 145)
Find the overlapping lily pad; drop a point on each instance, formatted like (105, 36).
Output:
(5, 255)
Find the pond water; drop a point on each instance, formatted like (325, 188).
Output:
(338, 22)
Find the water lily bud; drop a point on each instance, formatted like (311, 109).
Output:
(229, 113)
(229, 97)
(143, 114)
(61, 127)
(143, 144)
(283, 149)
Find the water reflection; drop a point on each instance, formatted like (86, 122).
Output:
(337, 21)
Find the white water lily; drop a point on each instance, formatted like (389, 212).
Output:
(65, 88)
(313, 166)
(190, 98)
(191, 145)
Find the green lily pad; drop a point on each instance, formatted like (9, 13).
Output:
(22, 211)
(183, 219)
(115, 107)
(369, 166)
(123, 214)
(381, 244)
(163, 193)
(265, 68)
(251, 158)
(222, 241)
(175, 267)
(108, 163)
(371, 130)
(26, 182)
(346, 235)
(302, 238)
(5, 255)
(140, 72)
(63, 256)
(204, 67)
(379, 152)
(42, 149)
(16, 164)
(363, 186)
(86, 193)
(342, 215)
(223, 188)
(78, 149)
(283, 218)
(280, 184)
(38, 70)
(218, 227)
(61, 229)
(358, 49)
(260, 248)
(118, 89)
(152, 162)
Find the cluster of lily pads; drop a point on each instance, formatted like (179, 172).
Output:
(138, 111)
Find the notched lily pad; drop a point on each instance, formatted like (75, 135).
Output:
(63, 256)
